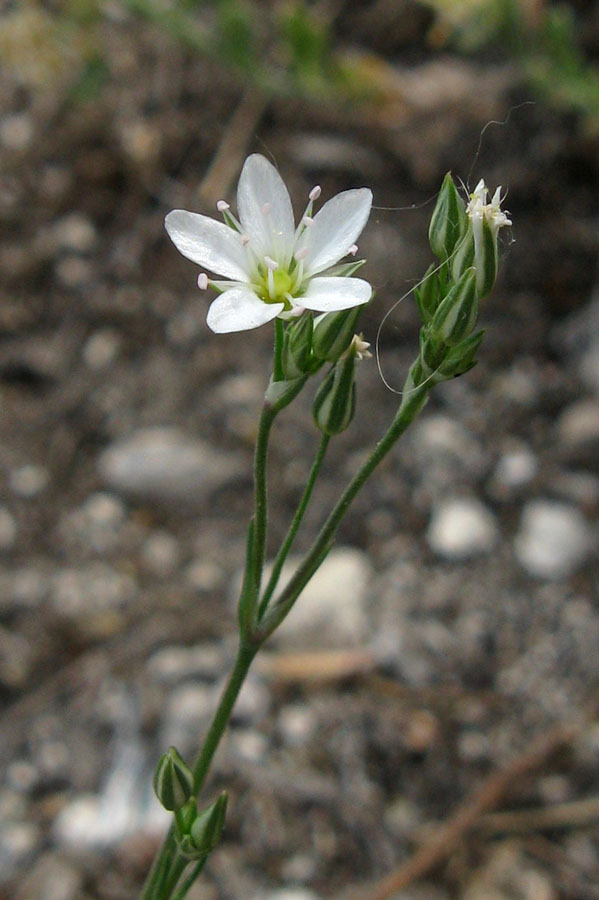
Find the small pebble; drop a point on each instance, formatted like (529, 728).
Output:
(101, 349)
(28, 481)
(553, 539)
(461, 528)
(161, 553)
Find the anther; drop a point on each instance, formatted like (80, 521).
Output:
(202, 281)
(245, 239)
(271, 263)
(307, 221)
(301, 254)
(222, 205)
(315, 192)
(353, 250)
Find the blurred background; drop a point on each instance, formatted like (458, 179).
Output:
(456, 619)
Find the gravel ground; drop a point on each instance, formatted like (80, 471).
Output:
(456, 619)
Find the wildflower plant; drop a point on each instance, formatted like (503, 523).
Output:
(272, 269)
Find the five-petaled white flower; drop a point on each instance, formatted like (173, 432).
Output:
(273, 267)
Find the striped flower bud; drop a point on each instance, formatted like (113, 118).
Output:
(297, 349)
(208, 826)
(335, 401)
(173, 780)
(333, 333)
(457, 313)
(448, 221)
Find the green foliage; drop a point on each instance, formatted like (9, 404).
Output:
(545, 45)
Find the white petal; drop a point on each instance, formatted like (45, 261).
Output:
(261, 187)
(330, 294)
(335, 229)
(239, 310)
(210, 244)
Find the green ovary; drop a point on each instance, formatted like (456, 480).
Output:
(283, 282)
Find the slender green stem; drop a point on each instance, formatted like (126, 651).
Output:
(260, 489)
(277, 366)
(176, 869)
(293, 528)
(187, 884)
(245, 655)
(413, 402)
(157, 875)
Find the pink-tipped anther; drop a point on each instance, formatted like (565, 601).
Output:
(222, 206)
(315, 192)
(308, 221)
(202, 281)
(353, 250)
(271, 263)
(301, 254)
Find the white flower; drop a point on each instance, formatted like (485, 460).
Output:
(273, 268)
(479, 210)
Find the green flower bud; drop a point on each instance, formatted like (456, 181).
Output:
(448, 221)
(207, 828)
(173, 780)
(428, 294)
(297, 349)
(333, 333)
(335, 401)
(457, 313)
(462, 357)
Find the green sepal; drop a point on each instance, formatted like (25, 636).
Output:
(486, 258)
(297, 347)
(173, 780)
(333, 333)
(463, 258)
(335, 402)
(345, 270)
(208, 825)
(457, 313)
(428, 293)
(461, 358)
(279, 394)
(448, 221)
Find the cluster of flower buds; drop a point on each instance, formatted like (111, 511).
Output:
(310, 343)
(464, 238)
(197, 833)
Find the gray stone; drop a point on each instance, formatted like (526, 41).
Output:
(165, 464)
(514, 470)
(578, 433)
(589, 367)
(462, 527)
(28, 481)
(173, 664)
(332, 610)
(8, 529)
(288, 893)
(161, 553)
(553, 539)
(51, 878)
(101, 349)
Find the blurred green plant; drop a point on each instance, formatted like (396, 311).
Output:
(542, 38)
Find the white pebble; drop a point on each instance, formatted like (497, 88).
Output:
(462, 527)
(553, 539)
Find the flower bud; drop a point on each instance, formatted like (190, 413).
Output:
(173, 780)
(335, 401)
(207, 828)
(297, 348)
(457, 313)
(462, 357)
(478, 247)
(448, 221)
(333, 333)
(427, 294)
